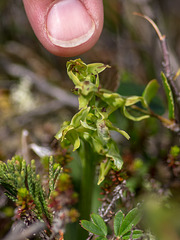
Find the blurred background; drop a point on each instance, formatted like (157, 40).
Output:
(35, 92)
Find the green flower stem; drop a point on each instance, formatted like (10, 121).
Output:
(89, 160)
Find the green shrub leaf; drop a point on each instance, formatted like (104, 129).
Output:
(131, 117)
(117, 222)
(133, 100)
(98, 221)
(136, 234)
(150, 91)
(131, 219)
(91, 227)
(169, 96)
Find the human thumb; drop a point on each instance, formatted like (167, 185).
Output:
(66, 27)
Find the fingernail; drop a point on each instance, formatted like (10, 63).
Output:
(69, 24)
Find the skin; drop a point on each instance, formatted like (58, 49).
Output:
(41, 17)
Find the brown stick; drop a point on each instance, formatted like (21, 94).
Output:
(166, 64)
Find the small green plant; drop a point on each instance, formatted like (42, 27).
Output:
(89, 131)
(92, 124)
(23, 186)
(123, 225)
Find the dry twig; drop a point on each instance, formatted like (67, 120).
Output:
(166, 64)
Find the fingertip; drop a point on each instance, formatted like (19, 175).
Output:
(66, 27)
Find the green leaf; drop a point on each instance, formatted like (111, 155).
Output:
(98, 221)
(103, 131)
(169, 96)
(136, 234)
(104, 169)
(112, 99)
(131, 220)
(81, 115)
(89, 87)
(72, 76)
(73, 137)
(65, 131)
(113, 154)
(87, 126)
(77, 71)
(150, 91)
(117, 222)
(96, 68)
(113, 128)
(64, 127)
(96, 144)
(133, 100)
(131, 117)
(91, 227)
(84, 100)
